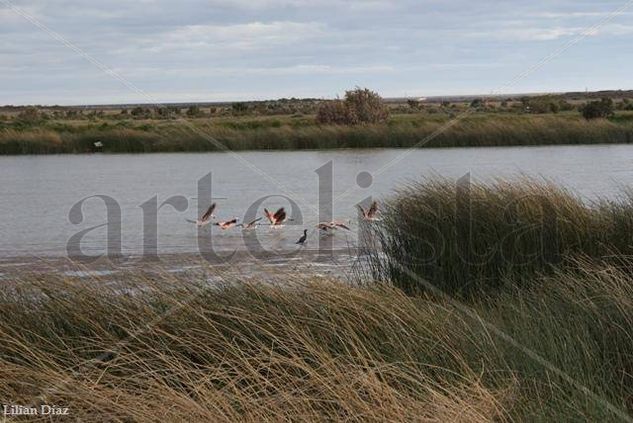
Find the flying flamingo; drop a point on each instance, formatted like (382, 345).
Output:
(329, 226)
(370, 213)
(277, 218)
(205, 219)
(250, 225)
(227, 223)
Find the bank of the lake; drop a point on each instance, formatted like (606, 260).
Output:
(301, 132)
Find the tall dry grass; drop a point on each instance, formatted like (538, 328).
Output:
(174, 349)
(155, 351)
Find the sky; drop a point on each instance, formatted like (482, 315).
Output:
(73, 52)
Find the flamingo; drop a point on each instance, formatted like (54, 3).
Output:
(370, 213)
(335, 224)
(227, 223)
(250, 225)
(277, 218)
(205, 219)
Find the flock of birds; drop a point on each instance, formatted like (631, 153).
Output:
(277, 219)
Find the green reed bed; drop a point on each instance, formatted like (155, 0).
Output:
(294, 134)
(464, 237)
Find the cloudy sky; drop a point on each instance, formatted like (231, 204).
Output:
(116, 51)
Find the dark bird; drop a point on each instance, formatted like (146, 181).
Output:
(277, 218)
(205, 219)
(370, 213)
(250, 225)
(227, 223)
(303, 238)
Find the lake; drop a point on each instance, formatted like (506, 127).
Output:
(38, 192)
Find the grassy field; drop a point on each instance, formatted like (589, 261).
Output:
(296, 132)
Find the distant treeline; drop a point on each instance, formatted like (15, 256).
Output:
(549, 103)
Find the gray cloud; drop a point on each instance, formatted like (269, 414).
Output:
(220, 50)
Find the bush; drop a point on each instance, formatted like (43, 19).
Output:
(598, 109)
(239, 107)
(360, 106)
(30, 116)
(194, 111)
(544, 104)
(333, 113)
(477, 103)
(141, 112)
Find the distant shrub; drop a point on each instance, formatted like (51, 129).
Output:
(166, 112)
(544, 104)
(413, 104)
(30, 115)
(598, 109)
(141, 112)
(239, 107)
(477, 103)
(73, 114)
(194, 111)
(332, 112)
(365, 106)
(360, 105)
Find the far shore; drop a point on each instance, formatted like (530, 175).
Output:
(301, 132)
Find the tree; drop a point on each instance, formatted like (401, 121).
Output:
(360, 105)
(598, 109)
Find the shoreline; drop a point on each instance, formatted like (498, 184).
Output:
(309, 262)
(284, 134)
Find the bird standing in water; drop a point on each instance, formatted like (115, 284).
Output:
(303, 238)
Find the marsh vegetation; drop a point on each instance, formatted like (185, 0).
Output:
(538, 334)
(361, 120)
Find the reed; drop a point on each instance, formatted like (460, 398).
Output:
(293, 134)
(172, 348)
(465, 237)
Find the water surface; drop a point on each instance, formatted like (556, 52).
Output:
(37, 192)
